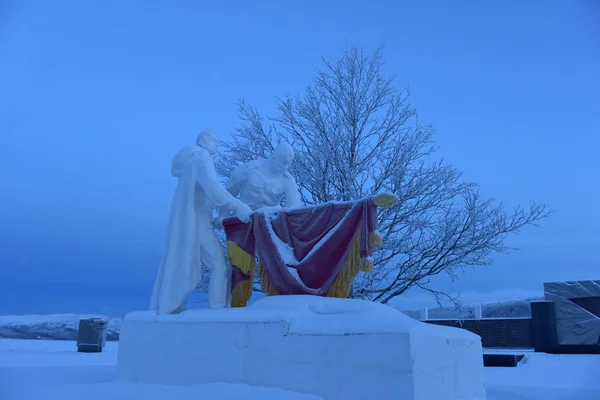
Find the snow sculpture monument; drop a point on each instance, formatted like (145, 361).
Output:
(191, 240)
(302, 341)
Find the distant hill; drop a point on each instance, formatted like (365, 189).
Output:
(51, 327)
(66, 326)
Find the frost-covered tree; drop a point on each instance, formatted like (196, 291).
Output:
(356, 135)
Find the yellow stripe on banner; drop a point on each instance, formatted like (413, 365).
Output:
(238, 257)
(242, 292)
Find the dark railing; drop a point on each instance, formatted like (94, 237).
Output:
(539, 332)
(503, 332)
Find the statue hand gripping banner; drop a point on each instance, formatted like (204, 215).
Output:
(315, 250)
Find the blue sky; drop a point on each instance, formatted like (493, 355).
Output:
(96, 97)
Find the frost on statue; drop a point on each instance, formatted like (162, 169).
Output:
(265, 183)
(191, 240)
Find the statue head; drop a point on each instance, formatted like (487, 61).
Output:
(207, 140)
(282, 157)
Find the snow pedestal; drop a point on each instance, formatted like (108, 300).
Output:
(334, 348)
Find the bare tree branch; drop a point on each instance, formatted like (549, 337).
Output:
(355, 135)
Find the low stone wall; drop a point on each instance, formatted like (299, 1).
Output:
(502, 332)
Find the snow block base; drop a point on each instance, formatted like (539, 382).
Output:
(334, 348)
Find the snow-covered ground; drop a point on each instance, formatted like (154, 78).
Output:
(545, 376)
(48, 370)
(43, 369)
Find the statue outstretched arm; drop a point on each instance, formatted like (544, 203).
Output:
(209, 182)
(234, 187)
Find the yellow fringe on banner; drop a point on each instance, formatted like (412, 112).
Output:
(375, 240)
(265, 284)
(343, 283)
(341, 286)
(242, 293)
(246, 263)
(366, 265)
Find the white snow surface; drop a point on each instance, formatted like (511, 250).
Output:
(43, 369)
(307, 315)
(285, 251)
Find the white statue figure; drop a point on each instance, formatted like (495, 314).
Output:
(264, 183)
(191, 239)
